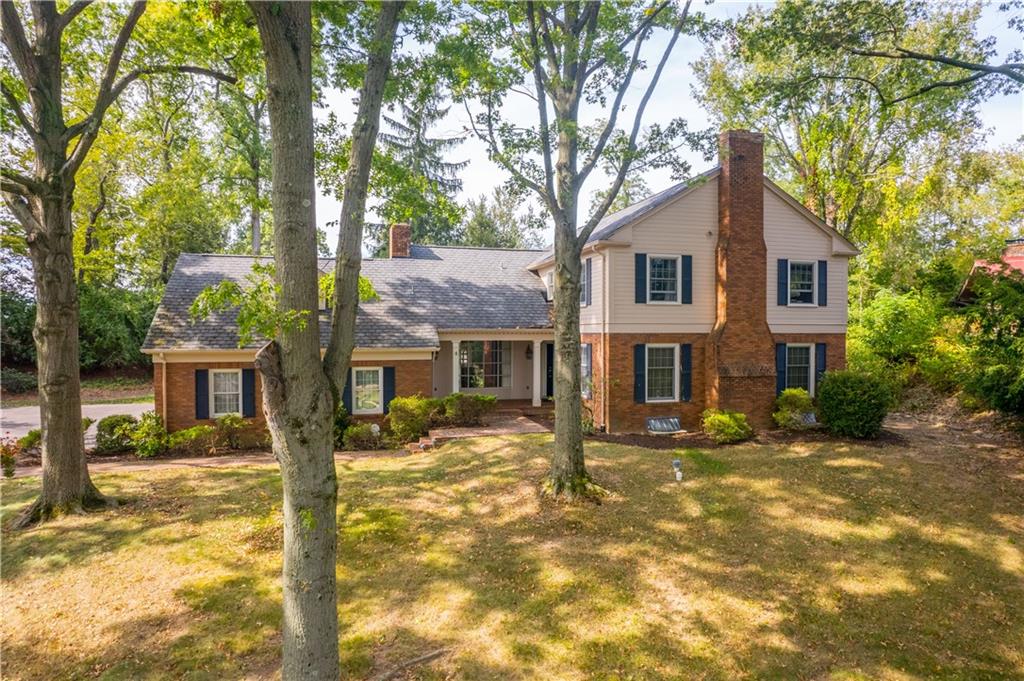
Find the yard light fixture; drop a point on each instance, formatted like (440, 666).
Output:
(677, 465)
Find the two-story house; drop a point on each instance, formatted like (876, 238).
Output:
(718, 292)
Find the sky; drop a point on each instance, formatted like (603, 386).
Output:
(1002, 116)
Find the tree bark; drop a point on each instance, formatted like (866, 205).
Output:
(297, 399)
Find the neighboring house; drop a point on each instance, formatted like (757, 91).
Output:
(1012, 259)
(718, 292)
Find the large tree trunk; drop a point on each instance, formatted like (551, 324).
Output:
(66, 484)
(297, 399)
(568, 474)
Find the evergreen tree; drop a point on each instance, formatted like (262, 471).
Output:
(494, 222)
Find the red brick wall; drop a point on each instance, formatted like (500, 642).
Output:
(400, 240)
(411, 377)
(621, 413)
(597, 402)
(835, 351)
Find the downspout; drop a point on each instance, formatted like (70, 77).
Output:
(605, 339)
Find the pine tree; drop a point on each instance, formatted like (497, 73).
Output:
(424, 195)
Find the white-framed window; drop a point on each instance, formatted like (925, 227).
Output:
(662, 373)
(802, 283)
(663, 278)
(587, 370)
(800, 367)
(225, 392)
(485, 364)
(367, 390)
(584, 283)
(549, 285)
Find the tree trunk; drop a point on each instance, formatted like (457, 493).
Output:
(254, 212)
(297, 399)
(66, 486)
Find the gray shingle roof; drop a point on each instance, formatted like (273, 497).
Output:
(437, 288)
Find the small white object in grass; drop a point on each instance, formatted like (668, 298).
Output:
(375, 429)
(679, 476)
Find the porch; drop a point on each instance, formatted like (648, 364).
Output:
(516, 367)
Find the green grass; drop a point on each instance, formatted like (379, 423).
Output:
(816, 561)
(100, 390)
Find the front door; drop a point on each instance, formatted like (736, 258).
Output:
(549, 390)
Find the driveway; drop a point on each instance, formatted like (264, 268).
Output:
(19, 420)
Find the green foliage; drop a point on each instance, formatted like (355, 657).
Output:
(9, 450)
(409, 418)
(853, 404)
(113, 326)
(148, 437)
(15, 382)
(726, 427)
(113, 433)
(1000, 385)
(194, 441)
(31, 440)
(790, 408)
(17, 312)
(898, 327)
(360, 437)
(496, 223)
(229, 430)
(341, 422)
(996, 335)
(462, 409)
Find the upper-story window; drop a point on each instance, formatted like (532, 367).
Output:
(549, 285)
(584, 284)
(663, 279)
(801, 283)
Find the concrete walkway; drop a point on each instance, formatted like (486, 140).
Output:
(19, 420)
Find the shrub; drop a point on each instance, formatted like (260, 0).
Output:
(725, 427)
(31, 440)
(9, 450)
(898, 327)
(148, 437)
(86, 422)
(411, 417)
(468, 410)
(853, 404)
(229, 430)
(1001, 386)
(194, 441)
(341, 421)
(790, 408)
(360, 436)
(16, 382)
(113, 433)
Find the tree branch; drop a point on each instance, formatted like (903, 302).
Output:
(17, 43)
(542, 106)
(19, 112)
(71, 12)
(18, 205)
(585, 233)
(338, 355)
(629, 38)
(1010, 70)
(14, 178)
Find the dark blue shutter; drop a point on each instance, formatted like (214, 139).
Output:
(783, 282)
(819, 363)
(686, 280)
(780, 368)
(686, 371)
(640, 265)
(346, 394)
(202, 394)
(639, 374)
(248, 393)
(590, 282)
(822, 283)
(389, 386)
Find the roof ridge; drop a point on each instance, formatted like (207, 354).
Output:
(478, 248)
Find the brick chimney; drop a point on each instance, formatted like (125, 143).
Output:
(400, 240)
(1014, 248)
(740, 359)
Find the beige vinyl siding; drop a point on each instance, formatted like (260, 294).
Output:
(591, 316)
(686, 226)
(791, 236)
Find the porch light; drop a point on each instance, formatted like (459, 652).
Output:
(529, 351)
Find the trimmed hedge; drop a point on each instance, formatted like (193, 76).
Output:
(411, 417)
(790, 408)
(15, 382)
(111, 436)
(194, 441)
(853, 404)
(461, 409)
(361, 436)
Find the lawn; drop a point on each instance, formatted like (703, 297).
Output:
(99, 390)
(781, 561)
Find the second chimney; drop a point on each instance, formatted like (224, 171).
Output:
(400, 240)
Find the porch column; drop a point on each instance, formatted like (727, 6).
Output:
(536, 373)
(456, 367)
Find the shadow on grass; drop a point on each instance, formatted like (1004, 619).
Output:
(811, 560)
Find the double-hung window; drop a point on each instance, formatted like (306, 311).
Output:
(662, 373)
(485, 364)
(584, 283)
(801, 283)
(367, 390)
(587, 370)
(800, 367)
(549, 285)
(226, 391)
(663, 279)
